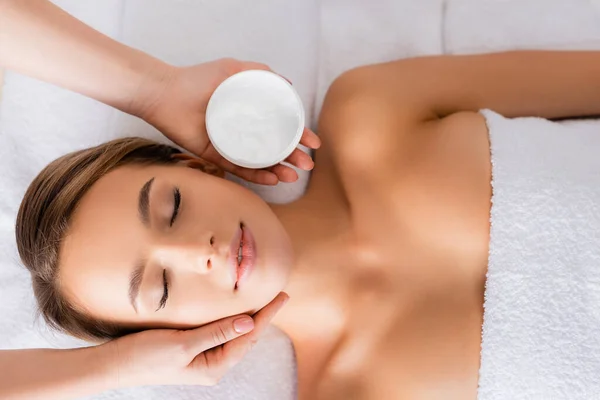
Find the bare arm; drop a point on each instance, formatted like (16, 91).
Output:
(53, 374)
(549, 84)
(200, 356)
(40, 40)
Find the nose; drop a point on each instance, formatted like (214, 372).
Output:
(200, 255)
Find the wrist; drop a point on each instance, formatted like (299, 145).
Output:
(112, 371)
(153, 77)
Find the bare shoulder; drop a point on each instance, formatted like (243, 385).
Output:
(360, 123)
(384, 149)
(371, 128)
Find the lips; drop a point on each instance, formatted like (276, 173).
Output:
(233, 255)
(242, 263)
(248, 259)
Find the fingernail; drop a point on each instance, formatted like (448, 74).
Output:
(243, 324)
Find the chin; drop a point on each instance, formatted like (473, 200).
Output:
(271, 278)
(275, 257)
(268, 280)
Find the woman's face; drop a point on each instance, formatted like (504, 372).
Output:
(157, 246)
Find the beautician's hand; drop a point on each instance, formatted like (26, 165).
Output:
(198, 356)
(177, 108)
(172, 99)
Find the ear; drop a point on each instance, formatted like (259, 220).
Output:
(198, 163)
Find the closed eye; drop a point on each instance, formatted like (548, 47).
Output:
(176, 204)
(165, 296)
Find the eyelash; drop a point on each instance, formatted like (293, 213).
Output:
(176, 204)
(163, 300)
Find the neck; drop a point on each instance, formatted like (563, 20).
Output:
(314, 231)
(300, 222)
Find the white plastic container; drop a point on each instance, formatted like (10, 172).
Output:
(255, 119)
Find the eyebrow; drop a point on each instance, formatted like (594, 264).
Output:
(135, 281)
(144, 202)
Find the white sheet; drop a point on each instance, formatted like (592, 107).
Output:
(354, 33)
(308, 41)
(478, 26)
(1, 82)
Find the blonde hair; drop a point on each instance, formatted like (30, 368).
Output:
(44, 216)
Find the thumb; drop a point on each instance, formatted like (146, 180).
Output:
(216, 333)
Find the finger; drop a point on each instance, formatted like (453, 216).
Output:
(259, 176)
(264, 67)
(269, 176)
(216, 333)
(255, 65)
(263, 317)
(301, 160)
(215, 363)
(284, 173)
(310, 139)
(218, 360)
(221, 359)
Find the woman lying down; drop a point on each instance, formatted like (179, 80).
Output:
(384, 258)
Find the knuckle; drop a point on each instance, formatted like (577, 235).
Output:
(233, 64)
(230, 65)
(229, 60)
(219, 334)
(215, 337)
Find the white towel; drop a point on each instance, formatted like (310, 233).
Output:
(537, 339)
(542, 301)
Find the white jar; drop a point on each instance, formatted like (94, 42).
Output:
(255, 119)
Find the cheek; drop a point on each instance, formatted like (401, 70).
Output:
(199, 305)
(197, 302)
(275, 262)
(213, 197)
